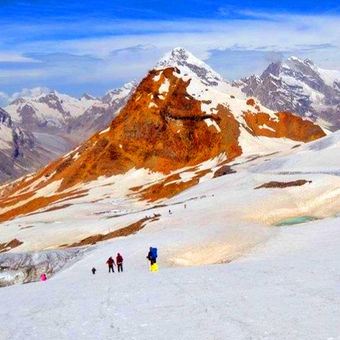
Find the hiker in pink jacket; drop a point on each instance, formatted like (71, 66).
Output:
(43, 277)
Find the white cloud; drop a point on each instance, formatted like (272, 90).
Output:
(3, 99)
(127, 49)
(282, 31)
(29, 93)
(21, 74)
(12, 57)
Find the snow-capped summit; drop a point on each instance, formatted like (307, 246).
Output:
(298, 86)
(188, 64)
(39, 111)
(87, 96)
(123, 92)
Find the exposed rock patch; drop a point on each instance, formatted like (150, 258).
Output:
(10, 245)
(126, 231)
(285, 125)
(224, 170)
(274, 184)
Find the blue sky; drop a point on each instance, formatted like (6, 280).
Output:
(92, 46)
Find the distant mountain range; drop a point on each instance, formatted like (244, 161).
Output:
(298, 86)
(19, 150)
(56, 122)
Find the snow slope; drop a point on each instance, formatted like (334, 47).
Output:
(316, 157)
(271, 282)
(284, 289)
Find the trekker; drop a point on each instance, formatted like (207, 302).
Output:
(93, 270)
(119, 261)
(43, 277)
(110, 262)
(152, 255)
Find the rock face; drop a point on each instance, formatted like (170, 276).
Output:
(300, 87)
(173, 120)
(286, 125)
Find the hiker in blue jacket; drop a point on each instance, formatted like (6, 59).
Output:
(152, 255)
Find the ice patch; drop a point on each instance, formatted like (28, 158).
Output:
(104, 131)
(164, 88)
(265, 126)
(157, 77)
(152, 105)
(211, 122)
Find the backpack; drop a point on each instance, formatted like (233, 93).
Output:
(154, 253)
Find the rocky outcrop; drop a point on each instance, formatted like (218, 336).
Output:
(285, 125)
(273, 184)
(223, 170)
(125, 231)
(10, 245)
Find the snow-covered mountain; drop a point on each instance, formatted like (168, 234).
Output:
(19, 152)
(300, 87)
(100, 113)
(291, 271)
(52, 110)
(57, 122)
(174, 132)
